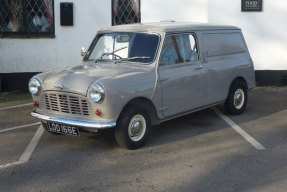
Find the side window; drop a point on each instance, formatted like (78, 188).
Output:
(177, 49)
(218, 44)
(193, 45)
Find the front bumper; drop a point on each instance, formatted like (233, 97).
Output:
(81, 124)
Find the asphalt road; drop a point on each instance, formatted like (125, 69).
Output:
(197, 152)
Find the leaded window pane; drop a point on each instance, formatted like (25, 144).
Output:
(26, 17)
(126, 11)
(11, 16)
(39, 15)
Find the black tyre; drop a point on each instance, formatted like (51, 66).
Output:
(133, 128)
(236, 101)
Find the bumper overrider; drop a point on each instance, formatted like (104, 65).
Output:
(84, 125)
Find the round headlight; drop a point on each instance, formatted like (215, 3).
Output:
(34, 86)
(97, 92)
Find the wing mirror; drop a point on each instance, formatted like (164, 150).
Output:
(83, 51)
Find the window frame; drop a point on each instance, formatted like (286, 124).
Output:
(25, 34)
(112, 10)
(183, 63)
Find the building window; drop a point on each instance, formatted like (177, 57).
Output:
(125, 11)
(27, 18)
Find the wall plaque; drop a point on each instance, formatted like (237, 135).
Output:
(251, 5)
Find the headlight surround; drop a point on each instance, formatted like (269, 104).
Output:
(97, 92)
(34, 86)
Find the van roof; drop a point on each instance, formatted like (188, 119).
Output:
(169, 27)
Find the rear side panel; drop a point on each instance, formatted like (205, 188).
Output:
(226, 58)
(250, 76)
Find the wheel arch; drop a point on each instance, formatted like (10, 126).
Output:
(238, 78)
(144, 103)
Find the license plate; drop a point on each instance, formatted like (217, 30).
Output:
(63, 129)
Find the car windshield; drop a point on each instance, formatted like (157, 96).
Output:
(125, 46)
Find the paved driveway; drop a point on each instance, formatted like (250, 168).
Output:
(204, 151)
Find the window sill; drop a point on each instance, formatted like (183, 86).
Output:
(27, 36)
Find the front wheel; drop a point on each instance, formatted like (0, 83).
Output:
(236, 101)
(133, 128)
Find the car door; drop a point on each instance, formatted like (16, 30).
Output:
(181, 74)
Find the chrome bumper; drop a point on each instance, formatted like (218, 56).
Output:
(83, 124)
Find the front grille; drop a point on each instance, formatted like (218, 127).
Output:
(66, 104)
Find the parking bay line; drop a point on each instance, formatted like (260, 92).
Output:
(239, 130)
(33, 143)
(19, 127)
(29, 149)
(15, 106)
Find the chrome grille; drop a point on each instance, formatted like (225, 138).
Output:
(66, 104)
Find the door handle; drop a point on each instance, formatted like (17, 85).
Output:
(162, 80)
(199, 67)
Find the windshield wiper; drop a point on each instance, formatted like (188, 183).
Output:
(135, 58)
(111, 53)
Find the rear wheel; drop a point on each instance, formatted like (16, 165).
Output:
(133, 128)
(236, 101)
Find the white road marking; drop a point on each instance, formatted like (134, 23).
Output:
(19, 127)
(33, 143)
(10, 164)
(243, 133)
(28, 151)
(15, 106)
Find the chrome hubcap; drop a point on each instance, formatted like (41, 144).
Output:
(239, 98)
(137, 128)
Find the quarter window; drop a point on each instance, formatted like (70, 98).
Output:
(223, 44)
(27, 17)
(177, 49)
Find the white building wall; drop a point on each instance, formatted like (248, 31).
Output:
(43, 54)
(177, 10)
(265, 32)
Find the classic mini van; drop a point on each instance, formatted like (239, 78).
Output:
(139, 75)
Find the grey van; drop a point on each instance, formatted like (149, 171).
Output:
(135, 76)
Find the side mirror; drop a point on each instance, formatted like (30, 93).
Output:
(83, 51)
